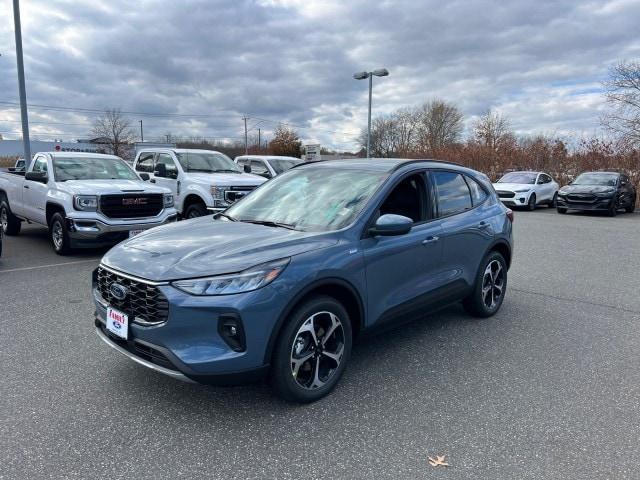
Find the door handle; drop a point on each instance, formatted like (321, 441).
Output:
(429, 240)
(152, 180)
(25, 186)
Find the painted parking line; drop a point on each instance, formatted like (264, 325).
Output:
(48, 266)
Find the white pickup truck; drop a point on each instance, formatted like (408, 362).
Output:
(85, 199)
(202, 181)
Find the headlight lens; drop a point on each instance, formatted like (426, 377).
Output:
(86, 202)
(168, 200)
(245, 281)
(218, 196)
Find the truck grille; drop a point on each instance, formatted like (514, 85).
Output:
(503, 194)
(233, 194)
(131, 205)
(143, 302)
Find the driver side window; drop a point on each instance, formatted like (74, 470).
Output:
(408, 198)
(40, 165)
(166, 160)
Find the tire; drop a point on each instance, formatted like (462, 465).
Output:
(561, 210)
(9, 223)
(490, 287)
(613, 209)
(554, 201)
(59, 235)
(631, 207)
(531, 204)
(296, 381)
(195, 210)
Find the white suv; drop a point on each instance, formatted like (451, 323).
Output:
(202, 181)
(527, 189)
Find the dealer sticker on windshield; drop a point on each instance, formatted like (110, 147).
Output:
(117, 323)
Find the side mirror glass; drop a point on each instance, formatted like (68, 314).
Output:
(161, 170)
(144, 176)
(391, 224)
(37, 177)
(247, 168)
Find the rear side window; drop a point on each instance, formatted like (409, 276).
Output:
(453, 193)
(145, 163)
(478, 194)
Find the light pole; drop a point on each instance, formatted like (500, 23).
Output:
(21, 87)
(381, 72)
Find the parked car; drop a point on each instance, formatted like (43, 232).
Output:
(267, 166)
(283, 280)
(527, 189)
(1, 235)
(604, 191)
(19, 166)
(85, 199)
(202, 181)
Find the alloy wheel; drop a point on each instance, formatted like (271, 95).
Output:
(57, 235)
(317, 350)
(493, 284)
(4, 219)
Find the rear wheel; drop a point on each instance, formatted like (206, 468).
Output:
(59, 235)
(531, 205)
(195, 210)
(312, 351)
(9, 223)
(490, 287)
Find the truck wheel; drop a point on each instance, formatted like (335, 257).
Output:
(59, 235)
(312, 350)
(195, 210)
(8, 221)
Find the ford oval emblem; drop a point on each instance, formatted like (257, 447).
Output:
(119, 292)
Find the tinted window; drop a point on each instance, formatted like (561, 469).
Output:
(145, 163)
(407, 199)
(478, 194)
(545, 178)
(453, 193)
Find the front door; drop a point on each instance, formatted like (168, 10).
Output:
(35, 193)
(169, 181)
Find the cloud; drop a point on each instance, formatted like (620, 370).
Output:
(538, 62)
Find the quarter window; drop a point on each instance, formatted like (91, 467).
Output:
(145, 163)
(478, 194)
(453, 193)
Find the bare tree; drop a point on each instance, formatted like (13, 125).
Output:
(622, 90)
(440, 125)
(493, 130)
(115, 131)
(285, 142)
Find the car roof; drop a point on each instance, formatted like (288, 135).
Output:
(176, 150)
(382, 164)
(525, 171)
(77, 155)
(268, 157)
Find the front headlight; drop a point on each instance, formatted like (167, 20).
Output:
(218, 196)
(87, 203)
(168, 200)
(245, 281)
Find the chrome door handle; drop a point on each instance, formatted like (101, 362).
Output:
(429, 240)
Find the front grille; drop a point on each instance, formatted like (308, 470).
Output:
(503, 194)
(131, 205)
(581, 198)
(142, 302)
(233, 194)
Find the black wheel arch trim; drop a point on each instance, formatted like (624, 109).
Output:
(322, 282)
(501, 243)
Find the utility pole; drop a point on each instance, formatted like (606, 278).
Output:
(141, 133)
(246, 141)
(21, 86)
(259, 142)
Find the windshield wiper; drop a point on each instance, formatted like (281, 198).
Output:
(227, 170)
(269, 223)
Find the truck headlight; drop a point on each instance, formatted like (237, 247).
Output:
(218, 196)
(245, 281)
(87, 203)
(168, 200)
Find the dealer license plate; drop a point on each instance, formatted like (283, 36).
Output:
(117, 323)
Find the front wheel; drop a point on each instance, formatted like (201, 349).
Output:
(554, 201)
(490, 287)
(59, 235)
(531, 205)
(195, 210)
(312, 351)
(631, 207)
(613, 209)
(562, 210)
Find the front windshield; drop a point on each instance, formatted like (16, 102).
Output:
(280, 165)
(309, 199)
(604, 179)
(91, 168)
(207, 162)
(519, 177)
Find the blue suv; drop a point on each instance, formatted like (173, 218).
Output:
(285, 279)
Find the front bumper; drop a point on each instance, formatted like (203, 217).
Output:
(519, 199)
(597, 204)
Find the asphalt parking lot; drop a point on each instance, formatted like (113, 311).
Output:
(548, 388)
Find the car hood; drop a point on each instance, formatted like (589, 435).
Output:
(226, 179)
(511, 187)
(203, 246)
(103, 187)
(587, 189)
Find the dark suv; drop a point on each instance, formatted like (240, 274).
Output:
(287, 277)
(603, 191)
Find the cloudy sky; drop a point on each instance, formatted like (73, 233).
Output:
(197, 67)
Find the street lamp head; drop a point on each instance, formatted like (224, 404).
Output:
(381, 72)
(361, 75)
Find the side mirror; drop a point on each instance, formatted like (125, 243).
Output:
(144, 176)
(247, 168)
(161, 170)
(266, 175)
(390, 224)
(37, 177)
(540, 182)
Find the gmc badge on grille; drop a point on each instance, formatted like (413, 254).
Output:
(134, 201)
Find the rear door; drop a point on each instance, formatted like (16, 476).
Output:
(35, 193)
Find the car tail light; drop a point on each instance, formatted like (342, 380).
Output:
(510, 215)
